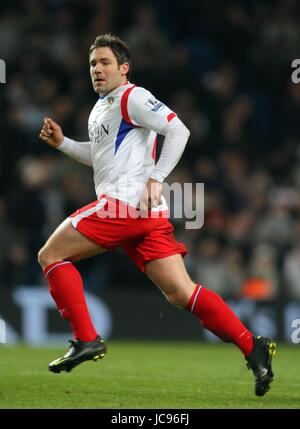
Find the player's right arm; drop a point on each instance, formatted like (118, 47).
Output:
(52, 134)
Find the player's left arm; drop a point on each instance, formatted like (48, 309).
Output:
(144, 110)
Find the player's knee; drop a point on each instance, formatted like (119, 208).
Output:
(46, 257)
(180, 294)
(177, 298)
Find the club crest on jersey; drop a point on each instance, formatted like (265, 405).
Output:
(154, 104)
(109, 103)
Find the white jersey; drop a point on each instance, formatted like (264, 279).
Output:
(122, 129)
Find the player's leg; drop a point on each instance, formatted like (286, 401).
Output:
(66, 243)
(171, 277)
(65, 246)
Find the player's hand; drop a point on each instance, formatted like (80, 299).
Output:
(51, 133)
(151, 197)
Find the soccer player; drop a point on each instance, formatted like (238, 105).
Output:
(122, 130)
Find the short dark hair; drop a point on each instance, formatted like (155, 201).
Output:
(118, 47)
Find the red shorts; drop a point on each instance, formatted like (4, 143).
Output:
(144, 236)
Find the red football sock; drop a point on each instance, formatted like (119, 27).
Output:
(66, 288)
(216, 316)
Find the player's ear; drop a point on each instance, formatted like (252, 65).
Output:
(124, 68)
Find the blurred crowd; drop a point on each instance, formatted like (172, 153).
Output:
(224, 68)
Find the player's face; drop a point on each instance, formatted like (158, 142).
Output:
(106, 73)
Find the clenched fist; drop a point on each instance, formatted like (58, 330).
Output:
(51, 133)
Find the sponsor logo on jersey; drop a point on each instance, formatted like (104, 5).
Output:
(94, 132)
(104, 129)
(154, 104)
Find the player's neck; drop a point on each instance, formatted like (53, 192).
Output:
(104, 94)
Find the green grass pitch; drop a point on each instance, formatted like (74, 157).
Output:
(147, 375)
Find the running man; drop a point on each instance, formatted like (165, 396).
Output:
(122, 130)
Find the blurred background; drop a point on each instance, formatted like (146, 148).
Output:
(225, 69)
